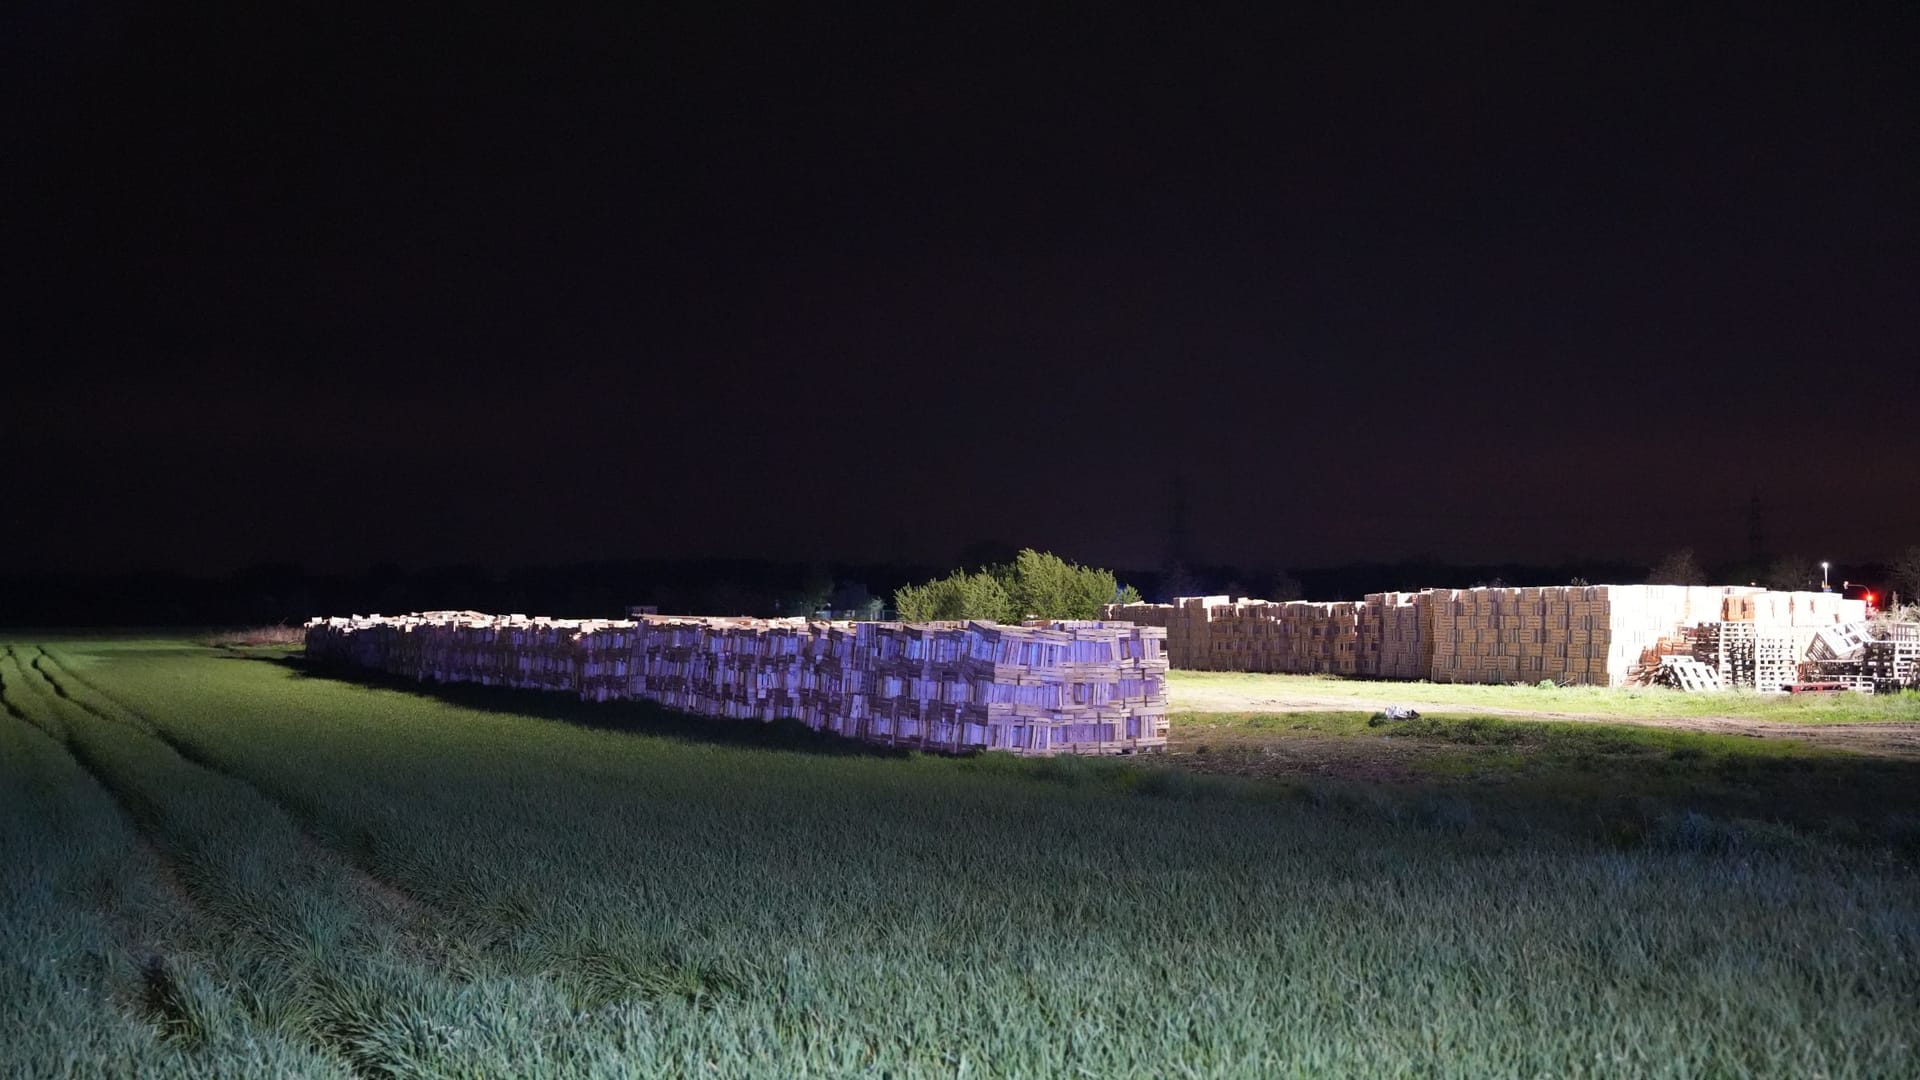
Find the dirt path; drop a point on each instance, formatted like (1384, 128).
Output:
(1895, 739)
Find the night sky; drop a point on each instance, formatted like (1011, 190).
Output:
(511, 286)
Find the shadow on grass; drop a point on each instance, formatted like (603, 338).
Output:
(632, 717)
(1628, 796)
(1622, 783)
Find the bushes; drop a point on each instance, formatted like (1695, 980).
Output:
(1035, 585)
(959, 596)
(260, 636)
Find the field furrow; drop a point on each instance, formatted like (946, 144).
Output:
(313, 949)
(93, 934)
(432, 930)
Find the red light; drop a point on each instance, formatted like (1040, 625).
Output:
(1869, 599)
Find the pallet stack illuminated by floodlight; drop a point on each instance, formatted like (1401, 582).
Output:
(1573, 634)
(1042, 688)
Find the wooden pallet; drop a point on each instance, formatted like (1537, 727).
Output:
(1688, 674)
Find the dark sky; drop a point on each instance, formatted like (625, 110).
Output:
(516, 286)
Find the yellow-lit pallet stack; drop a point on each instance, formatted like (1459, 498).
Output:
(1191, 629)
(1323, 638)
(1248, 635)
(1215, 633)
(1188, 622)
(1572, 634)
(1045, 688)
(1584, 635)
(1477, 636)
(1395, 636)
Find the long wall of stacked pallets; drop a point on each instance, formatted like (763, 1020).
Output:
(1045, 688)
(1585, 635)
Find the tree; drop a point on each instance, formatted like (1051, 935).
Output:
(959, 595)
(1677, 568)
(1035, 585)
(816, 588)
(1178, 581)
(1792, 573)
(1045, 586)
(1906, 573)
(725, 597)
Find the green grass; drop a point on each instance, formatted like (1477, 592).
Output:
(1583, 700)
(218, 864)
(1602, 780)
(1566, 738)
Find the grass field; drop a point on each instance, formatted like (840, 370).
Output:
(1611, 781)
(1198, 687)
(214, 862)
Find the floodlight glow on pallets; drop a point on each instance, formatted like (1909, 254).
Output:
(1044, 688)
(1584, 634)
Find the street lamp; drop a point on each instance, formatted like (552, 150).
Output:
(1824, 587)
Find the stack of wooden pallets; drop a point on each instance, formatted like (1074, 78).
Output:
(1892, 664)
(1215, 633)
(1044, 688)
(1394, 639)
(1573, 634)
(1188, 622)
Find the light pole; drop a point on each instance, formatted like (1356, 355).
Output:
(1824, 587)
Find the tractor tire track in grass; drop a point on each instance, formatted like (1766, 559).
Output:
(153, 976)
(161, 996)
(6, 701)
(118, 712)
(12, 689)
(160, 992)
(390, 899)
(373, 977)
(450, 938)
(592, 974)
(40, 664)
(228, 927)
(503, 926)
(93, 923)
(285, 919)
